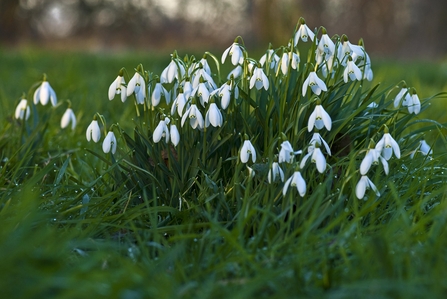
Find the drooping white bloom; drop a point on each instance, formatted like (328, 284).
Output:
(179, 104)
(138, 86)
(296, 180)
(372, 157)
(224, 92)
(404, 92)
(259, 79)
(286, 153)
(316, 138)
(236, 72)
(251, 172)
(118, 86)
(387, 145)
(316, 84)
(202, 92)
(109, 143)
(22, 110)
(275, 172)
(303, 33)
(422, 148)
(195, 117)
(359, 52)
(319, 118)
(200, 75)
(412, 102)
(68, 117)
(344, 51)
(175, 69)
(161, 131)
(159, 91)
(352, 72)
(317, 157)
(235, 51)
(213, 116)
(93, 132)
(269, 56)
(326, 45)
(287, 59)
(205, 65)
(363, 184)
(44, 93)
(175, 135)
(187, 88)
(247, 150)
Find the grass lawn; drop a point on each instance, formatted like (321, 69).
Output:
(78, 223)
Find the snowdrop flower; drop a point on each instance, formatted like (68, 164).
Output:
(93, 132)
(358, 51)
(269, 56)
(317, 157)
(205, 64)
(326, 45)
(175, 135)
(412, 102)
(316, 84)
(319, 118)
(187, 88)
(303, 33)
(352, 71)
(387, 145)
(175, 69)
(316, 138)
(224, 92)
(68, 117)
(296, 180)
(287, 59)
(404, 92)
(345, 50)
(109, 143)
(236, 72)
(362, 185)
(44, 93)
(247, 150)
(200, 75)
(422, 148)
(202, 92)
(372, 157)
(159, 91)
(179, 103)
(235, 51)
(213, 116)
(22, 110)
(259, 79)
(195, 117)
(251, 172)
(275, 172)
(118, 86)
(161, 131)
(138, 86)
(286, 153)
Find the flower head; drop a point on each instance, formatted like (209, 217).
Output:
(269, 56)
(387, 145)
(93, 132)
(286, 153)
(287, 59)
(44, 93)
(317, 157)
(296, 180)
(319, 118)
(138, 86)
(213, 116)
(422, 148)
(195, 117)
(372, 157)
(303, 33)
(68, 117)
(109, 143)
(22, 110)
(316, 84)
(363, 184)
(175, 135)
(158, 92)
(247, 150)
(161, 131)
(275, 172)
(179, 104)
(235, 52)
(259, 79)
(352, 71)
(118, 86)
(175, 69)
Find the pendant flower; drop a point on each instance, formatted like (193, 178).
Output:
(316, 84)
(291, 59)
(179, 104)
(247, 150)
(68, 117)
(236, 72)
(44, 93)
(161, 131)
(422, 148)
(303, 33)
(319, 119)
(138, 86)
(404, 92)
(412, 102)
(175, 135)
(296, 180)
(109, 143)
(213, 116)
(275, 172)
(159, 91)
(224, 92)
(22, 110)
(326, 45)
(202, 92)
(175, 69)
(286, 154)
(269, 56)
(317, 157)
(235, 51)
(259, 79)
(316, 138)
(118, 86)
(93, 132)
(372, 157)
(387, 145)
(362, 185)
(352, 71)
(195, 117)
